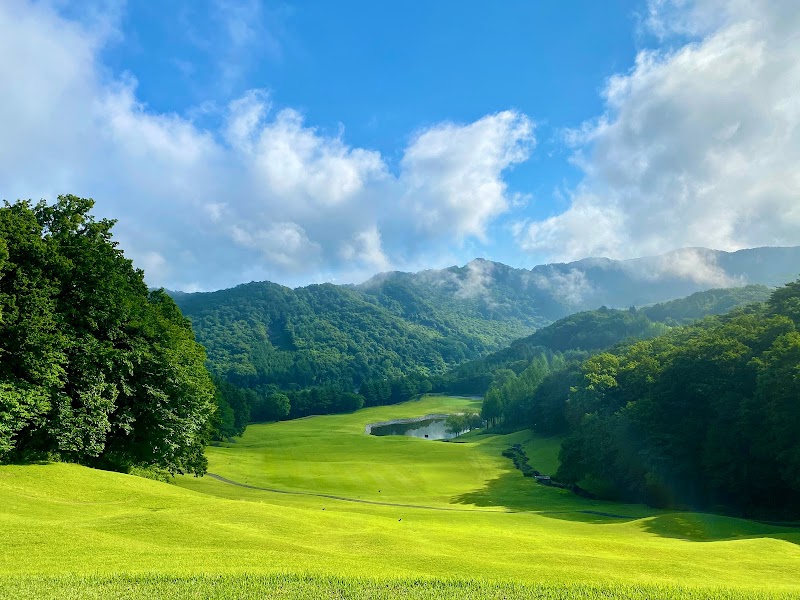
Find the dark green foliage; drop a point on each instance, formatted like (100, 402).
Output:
(325, 335)
(581, 332)
(520, 458)
(379, 392)
(234, 407)
(707, 415)
(594, 330)
(548, 404)
(270, 406)
(703, 304)
(540, 401)
(322, 401)
(459, 423)
(93, 368)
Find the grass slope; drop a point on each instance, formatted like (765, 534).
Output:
(487, 532)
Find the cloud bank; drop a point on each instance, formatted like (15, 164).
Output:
(263, 196)
(699, 144)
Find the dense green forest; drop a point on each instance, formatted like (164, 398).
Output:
(705, 416)
(702, 416)
(398, 331)
(589, 331)
(262, 333)
(94, 368)
(568, 340)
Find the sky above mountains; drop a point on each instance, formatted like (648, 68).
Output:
(326, 141)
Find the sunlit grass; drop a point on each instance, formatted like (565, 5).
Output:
(294, 587)
(484, 526)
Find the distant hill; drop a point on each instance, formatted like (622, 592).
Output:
(593, 282)
(590, 331)
(263, 333)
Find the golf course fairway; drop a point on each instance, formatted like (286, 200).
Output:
(317, 508)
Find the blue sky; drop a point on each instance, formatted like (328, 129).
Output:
(240, 140)
(381, 71)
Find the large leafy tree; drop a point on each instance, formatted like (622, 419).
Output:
(94, 368)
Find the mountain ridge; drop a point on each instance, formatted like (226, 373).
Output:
(263, 333)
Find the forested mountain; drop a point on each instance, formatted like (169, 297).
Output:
(261, 334)
(589, 331)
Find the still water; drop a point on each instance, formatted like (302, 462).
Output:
(431, 429)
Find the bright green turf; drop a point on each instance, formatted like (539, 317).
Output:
(70, 521)
(294, 587)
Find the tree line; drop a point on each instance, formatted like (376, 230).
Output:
(239, 406)
(706, 416)
(703, 416)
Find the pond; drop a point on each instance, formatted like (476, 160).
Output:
(429, 427)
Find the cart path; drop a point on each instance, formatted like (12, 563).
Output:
(401, 505)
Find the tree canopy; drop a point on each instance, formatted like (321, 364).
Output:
(704, 416)
(94, 368)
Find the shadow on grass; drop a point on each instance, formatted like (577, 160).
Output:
(521, 494)
(707, 527)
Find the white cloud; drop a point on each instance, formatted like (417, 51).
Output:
(699, 145)
(689, 264)
(285, 244)
(263, 196)
(570, 287)
(476, 282)
(297, 162)
(452, 174)
(366, 250)
(154, 263)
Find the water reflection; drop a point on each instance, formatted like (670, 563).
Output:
(431, 429)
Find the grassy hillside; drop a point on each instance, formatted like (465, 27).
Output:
(437, 512)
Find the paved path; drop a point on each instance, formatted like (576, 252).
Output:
(400, 505)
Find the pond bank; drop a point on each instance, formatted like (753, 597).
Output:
(369, 426)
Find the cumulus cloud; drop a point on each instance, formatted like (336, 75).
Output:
(366, 250)
(699, 144)
(262, 195)
(452, 174)
(296, 162)
(285, 244)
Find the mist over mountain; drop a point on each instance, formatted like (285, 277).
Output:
(260, 334)
(549, 292)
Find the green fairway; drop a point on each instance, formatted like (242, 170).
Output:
(418, 518)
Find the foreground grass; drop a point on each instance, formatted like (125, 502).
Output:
(69, 531)
(294, 587)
